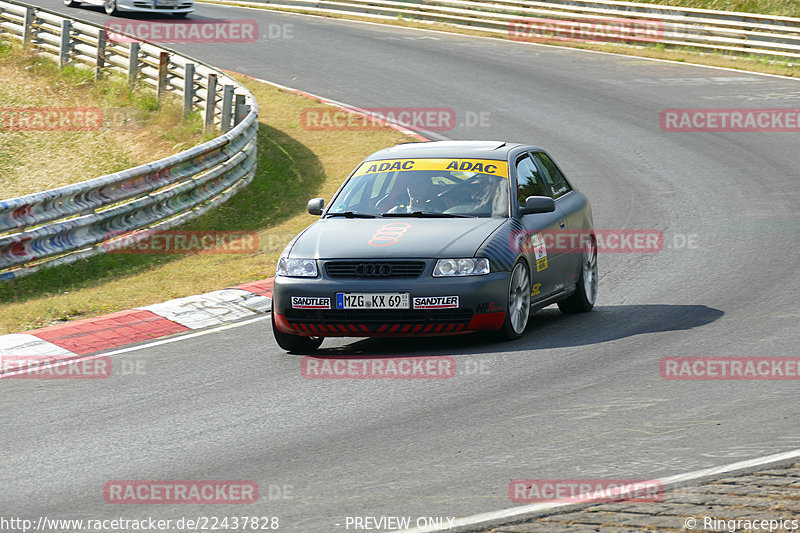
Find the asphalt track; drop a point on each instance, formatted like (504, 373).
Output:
(576, 397)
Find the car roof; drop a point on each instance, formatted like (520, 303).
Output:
(448, 150)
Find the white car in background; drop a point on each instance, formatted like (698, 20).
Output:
(176, 8)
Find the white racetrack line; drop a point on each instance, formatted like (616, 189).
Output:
(492, 517)
(169, 340)
(496, 518)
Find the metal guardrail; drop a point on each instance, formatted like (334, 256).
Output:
(63, 225)
(705, 29)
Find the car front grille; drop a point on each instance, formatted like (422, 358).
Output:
(374, 269)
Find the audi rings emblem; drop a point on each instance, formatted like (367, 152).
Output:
(373, 270)
(388, 234)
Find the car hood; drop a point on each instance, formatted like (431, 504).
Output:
(340, 238)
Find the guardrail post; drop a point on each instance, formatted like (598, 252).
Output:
(133, 64)
(27, 26)
(188, 89)
(163, 70)
(227, 107)
(240, 110)
(211, 100)
(100, 56)
(63, 50)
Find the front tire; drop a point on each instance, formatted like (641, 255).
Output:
(518, 303)
(71, 3)
(582, 300)
(294, 343)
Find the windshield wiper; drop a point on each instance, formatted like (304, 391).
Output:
(426, 214)
(351, 214)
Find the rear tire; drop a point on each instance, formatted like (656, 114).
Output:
(71, 3)
(295, 343)
(518, 303)
(582, 300)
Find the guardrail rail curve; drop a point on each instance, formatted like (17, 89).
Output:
(76, 221)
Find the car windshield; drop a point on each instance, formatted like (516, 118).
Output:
(425, 187)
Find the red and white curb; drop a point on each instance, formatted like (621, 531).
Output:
(83, 337)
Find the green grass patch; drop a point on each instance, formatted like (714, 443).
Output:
(136, 128)
(779, 8)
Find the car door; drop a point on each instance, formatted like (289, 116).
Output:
(546, 267)
(573, 207)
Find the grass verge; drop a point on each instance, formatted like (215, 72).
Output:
(778, 8)
(294, 164)
(132, 127)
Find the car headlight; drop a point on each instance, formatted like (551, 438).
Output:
(296, 268)
(461, 267)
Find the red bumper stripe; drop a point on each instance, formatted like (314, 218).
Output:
(487, 321)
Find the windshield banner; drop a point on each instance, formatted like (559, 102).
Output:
(483, 166)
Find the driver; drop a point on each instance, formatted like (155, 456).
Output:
(419, 194)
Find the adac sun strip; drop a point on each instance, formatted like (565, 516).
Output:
(483, 166)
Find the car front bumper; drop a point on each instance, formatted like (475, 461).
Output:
(481, 306)
(149, 6)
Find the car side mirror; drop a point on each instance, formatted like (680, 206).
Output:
(537, 204)
(315, 206)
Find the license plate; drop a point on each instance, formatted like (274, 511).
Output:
(166, 3)
(372, 300)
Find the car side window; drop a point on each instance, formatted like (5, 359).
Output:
(556, 180)
(529, 180)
